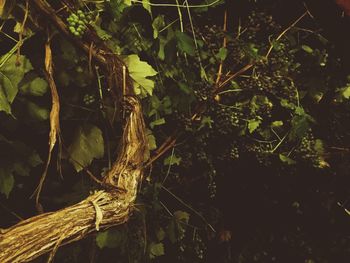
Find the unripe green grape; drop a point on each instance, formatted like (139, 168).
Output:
(75, 17)
(77, 23)
(89, 99)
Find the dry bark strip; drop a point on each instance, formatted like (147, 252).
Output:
(38, 235)
(54, 120)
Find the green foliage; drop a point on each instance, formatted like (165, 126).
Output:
(156, 250)
(346, 93)
(111, 238)
(77, 23)
(270, 134)
(6, 8)
(307, 49)
(172, 159)
(157, 25)
(16, 158)
(139, 71)
(286, 159)
(36, 87)
(12, 70)
(185, 43)
(7, 181)
(253, 125)
(87, 145)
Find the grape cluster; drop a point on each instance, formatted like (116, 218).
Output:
(201, 155)
(228, 152)
(259, 26)
(262, 152)
(77, 23)
(186, 159)
(212, 35)
(278, 86)
(236, 56)
(203, 91)
(308, 151)
(227, 119)
(134, 36)
(202, 138)
(212, 189)
(89, 99)
(199, 247)
(182, 121)
(234, 152)
(281, 61)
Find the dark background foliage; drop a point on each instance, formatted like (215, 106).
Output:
(266, 164)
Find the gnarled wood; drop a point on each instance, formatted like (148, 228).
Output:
(43, 233)
(38, 235)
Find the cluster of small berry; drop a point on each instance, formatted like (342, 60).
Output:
(77, 23)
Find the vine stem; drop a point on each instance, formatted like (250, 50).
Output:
(175, 5)
(224, 44)
(285, 31)
(250, 65)
(189, 207)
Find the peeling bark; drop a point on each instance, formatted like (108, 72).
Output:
(38, 235)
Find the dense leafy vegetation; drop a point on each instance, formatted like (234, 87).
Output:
(246, 117)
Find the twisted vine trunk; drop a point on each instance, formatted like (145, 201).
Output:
(46, 232)
(41, 234)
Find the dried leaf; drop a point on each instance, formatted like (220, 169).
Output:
(54, 119)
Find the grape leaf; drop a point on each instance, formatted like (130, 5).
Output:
(301, 123)
(222, 54)
(182, 216)
(21, 168)
(286, 159)
(157, 122)
(151, 140)
(253, 125)
(156, 250)
(185, 43)
(37, 112)
(346, 92)
(307, 49)
(7, 181)
(206, 121)
(127, 2)
(147, 6)
(172, 159)
(110, 238)
(36, 87)
(104, 35)
(87, 145)
(277, 124)
(160, 233)
(139, 71)
(16, 158)
(4, 104)
(10, 76)
(157, 24)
